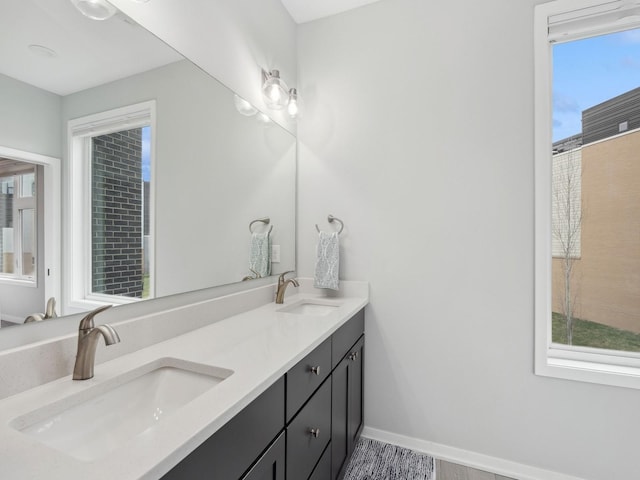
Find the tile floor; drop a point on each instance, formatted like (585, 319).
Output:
(452, 471)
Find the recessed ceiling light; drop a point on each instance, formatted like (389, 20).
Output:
(95, 9)
(42, 51)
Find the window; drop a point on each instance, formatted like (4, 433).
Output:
(18, 221)
(111, 173)
(587, 108)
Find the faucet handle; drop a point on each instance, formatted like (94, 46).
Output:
(87, 321)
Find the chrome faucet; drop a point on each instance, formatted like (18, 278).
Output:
(282, 286)
(88, 341)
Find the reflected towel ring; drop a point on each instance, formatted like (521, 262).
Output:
(265, 220)
(332, 219)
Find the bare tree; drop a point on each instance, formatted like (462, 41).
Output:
(567, 223)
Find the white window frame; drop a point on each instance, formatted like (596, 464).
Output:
(51, 213)
(78, 295)
(607, 367)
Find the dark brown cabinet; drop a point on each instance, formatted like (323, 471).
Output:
(303, 427)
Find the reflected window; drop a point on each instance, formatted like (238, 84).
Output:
(120, 213)
(111, 203)
(18, 240)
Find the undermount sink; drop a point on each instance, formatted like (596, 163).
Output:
(311, 307)
(92, 423)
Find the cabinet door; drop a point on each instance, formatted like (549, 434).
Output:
(229, 452)
(309, 434)
(356, 393)
(346, 408)
(271, 465)
(339, 418)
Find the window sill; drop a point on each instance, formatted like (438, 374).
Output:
(18, 282)
(619, 369)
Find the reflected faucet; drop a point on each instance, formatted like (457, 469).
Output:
(88, 341)
(282, 286)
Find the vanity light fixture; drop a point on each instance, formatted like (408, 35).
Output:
(95, 9)
(292, 106)
(274, 90)
(277, 95)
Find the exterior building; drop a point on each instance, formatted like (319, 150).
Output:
(605, 284)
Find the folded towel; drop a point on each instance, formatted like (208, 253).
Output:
(260, 254)
(327, 261)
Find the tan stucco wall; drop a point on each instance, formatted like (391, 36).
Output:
(606, 279)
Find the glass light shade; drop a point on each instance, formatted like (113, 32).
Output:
(95, 9)
(244, 107)
(292, 107)
(275, 91)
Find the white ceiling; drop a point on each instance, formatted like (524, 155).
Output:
(89, 52)
(307, 10)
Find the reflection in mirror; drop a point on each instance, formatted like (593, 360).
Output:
(157, 198)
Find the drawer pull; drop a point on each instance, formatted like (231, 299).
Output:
(353, 356)
(315, 370)
(315, 432)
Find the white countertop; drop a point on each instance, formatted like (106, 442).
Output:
(259, 346)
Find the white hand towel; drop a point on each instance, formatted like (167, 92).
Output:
(260, 254)
(327, 261)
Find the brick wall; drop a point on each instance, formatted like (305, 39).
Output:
(117, 217)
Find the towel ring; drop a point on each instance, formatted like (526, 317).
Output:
(265, 220)
(332, 219)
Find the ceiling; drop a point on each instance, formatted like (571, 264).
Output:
(304, 11)
(87, 53)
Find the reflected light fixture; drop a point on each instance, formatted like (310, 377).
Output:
(95, 9)
(274, 90)
(244, 107)
(263, 119)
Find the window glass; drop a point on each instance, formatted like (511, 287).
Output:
(120, 181)
(595, 191)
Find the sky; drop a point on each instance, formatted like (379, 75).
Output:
(146, 153)
(588, 72)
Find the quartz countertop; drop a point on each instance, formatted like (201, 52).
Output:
(259, 346)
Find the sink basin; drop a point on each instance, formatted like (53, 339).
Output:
(311, 307)
(92, 423)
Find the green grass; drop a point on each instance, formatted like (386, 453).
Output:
(592, 334)
(145, 286)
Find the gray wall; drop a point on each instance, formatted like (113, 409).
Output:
(215, 171)
(29, 121)
(435, 184)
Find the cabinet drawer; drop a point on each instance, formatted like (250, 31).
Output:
(229, 452)
(303, 447)
(344, 338)
(306, 376)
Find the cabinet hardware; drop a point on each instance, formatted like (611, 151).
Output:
(353, 356)
(315, 370)
(315, 432)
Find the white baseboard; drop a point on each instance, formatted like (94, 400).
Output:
(467, 458)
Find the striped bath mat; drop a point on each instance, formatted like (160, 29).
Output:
(374, 460)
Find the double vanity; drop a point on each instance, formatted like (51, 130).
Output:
(270, 391)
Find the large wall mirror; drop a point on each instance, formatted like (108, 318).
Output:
(162, 168)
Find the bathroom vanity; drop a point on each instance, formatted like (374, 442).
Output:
(265, 393)
(316, 406)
